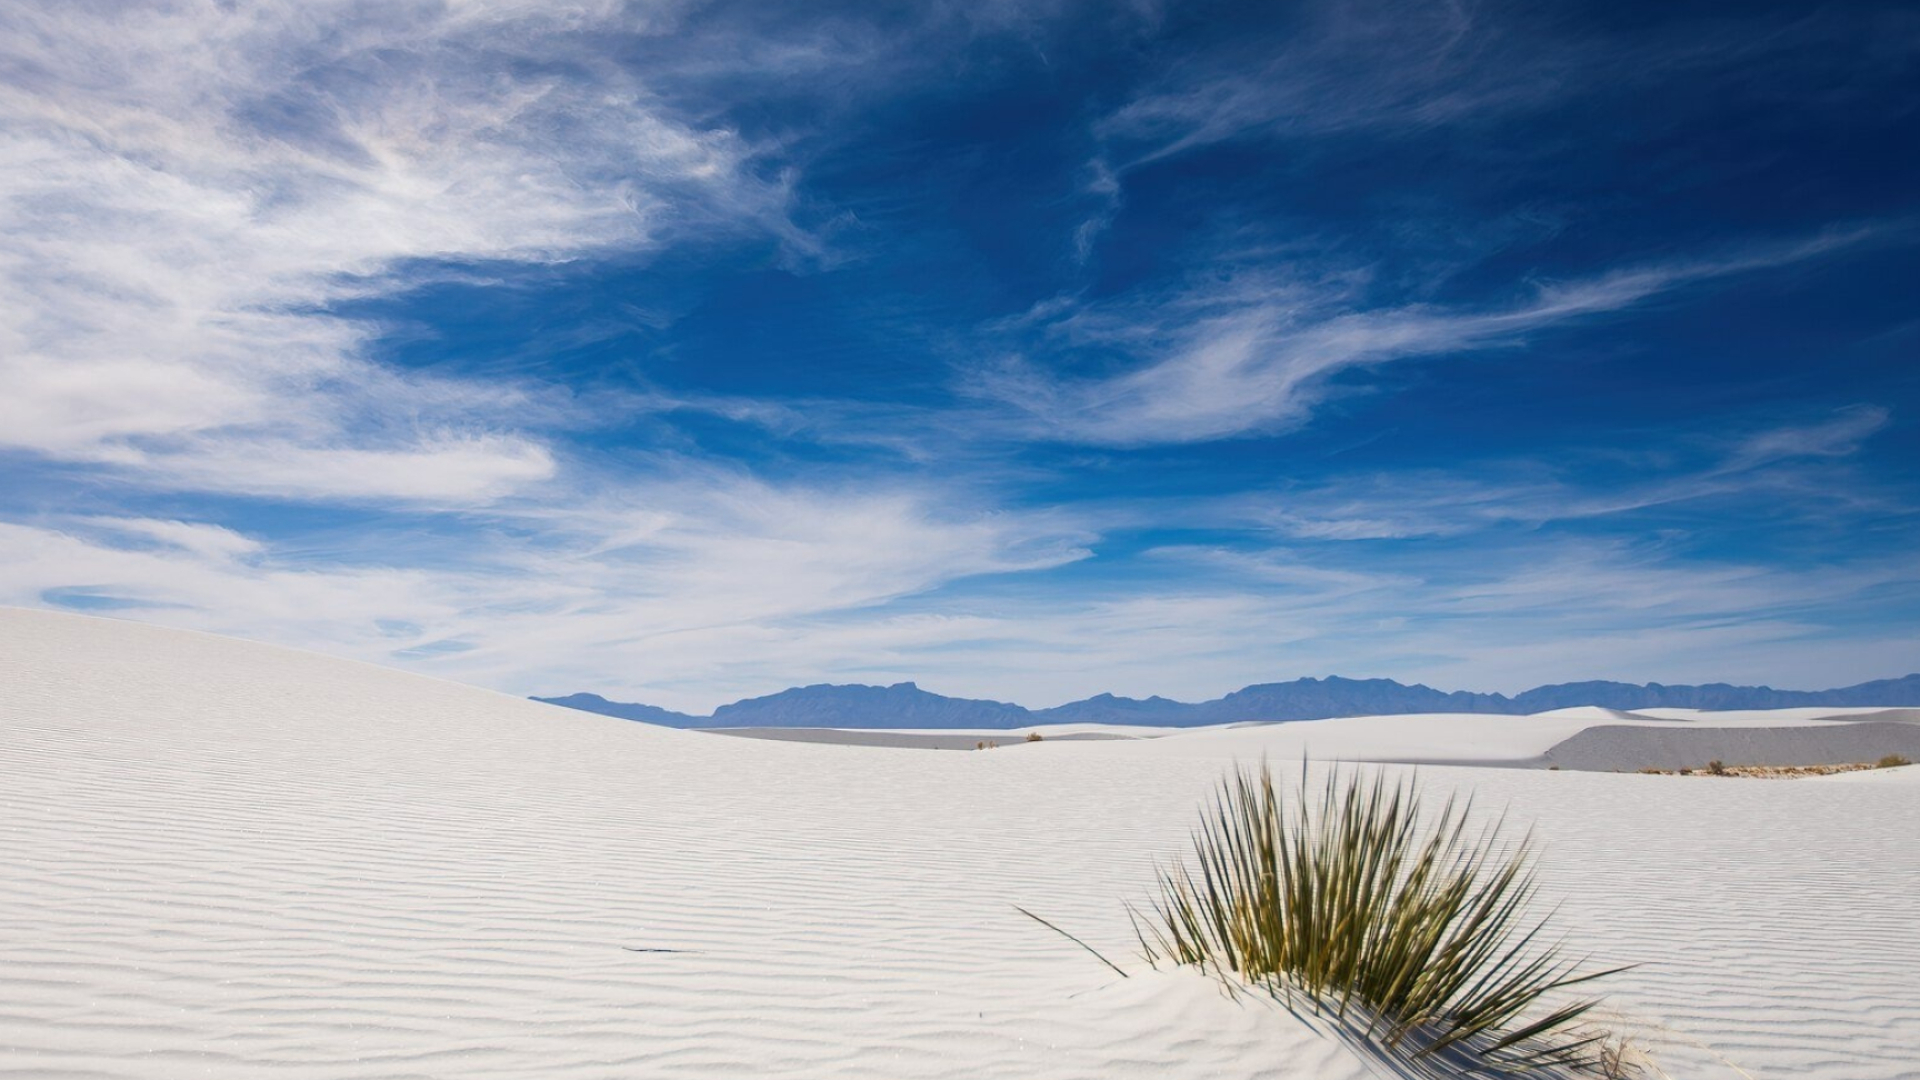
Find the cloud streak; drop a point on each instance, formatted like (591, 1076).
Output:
(1397, 69)
(1801, 470)
(1255, 358)
(186, 189)
(518, 599)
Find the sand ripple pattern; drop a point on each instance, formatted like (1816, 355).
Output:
(230, 861)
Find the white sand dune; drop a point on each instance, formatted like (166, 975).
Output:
(228, 860)
(1627, 748)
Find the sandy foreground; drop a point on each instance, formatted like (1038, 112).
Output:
(224, 859)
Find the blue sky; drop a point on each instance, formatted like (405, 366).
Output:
(686, 351)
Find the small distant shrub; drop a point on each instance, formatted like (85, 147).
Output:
(1349, 900)
(986, 745)
(1717, 767)
(1553, 768)
(1651, 771)
(1034, 736)
(1686, 772)
(1891, 761)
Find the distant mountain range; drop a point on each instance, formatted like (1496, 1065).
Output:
(904, 705)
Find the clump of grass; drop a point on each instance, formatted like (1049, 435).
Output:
(1716, 767)
(1418, 934)
(1034, 736)
(1892, 761)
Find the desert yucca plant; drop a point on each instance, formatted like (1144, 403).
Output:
(1413, 928)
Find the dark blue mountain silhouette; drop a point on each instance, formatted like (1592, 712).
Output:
(901, 705)
(646, 714)
(904, 705)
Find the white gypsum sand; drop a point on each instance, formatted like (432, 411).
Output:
(229, 860)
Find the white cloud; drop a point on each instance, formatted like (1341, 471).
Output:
(1838, 437)
(1802, 468)
(711, 591)
(428, 470)
(642, 585)
(212, 543)
(1252, 356)
(186, 187)
(1344, 66)
(1538, 613)
(1412, 67)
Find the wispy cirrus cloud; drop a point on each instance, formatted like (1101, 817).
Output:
(1211, 620)
(694, 592)
(630, 579)
(1409, 62)
(1399, 68)
(190, 194)
(1253, 355)
(1799, 468)
(185, 189)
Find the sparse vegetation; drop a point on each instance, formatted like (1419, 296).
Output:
(1764, 772)
(1417, 936)
(986, 744)
(1891, 761)
(1616, 1058)
(1716, 767)
(1034, 736)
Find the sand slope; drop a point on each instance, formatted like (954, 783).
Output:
(1625, 748)
(228, 860)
